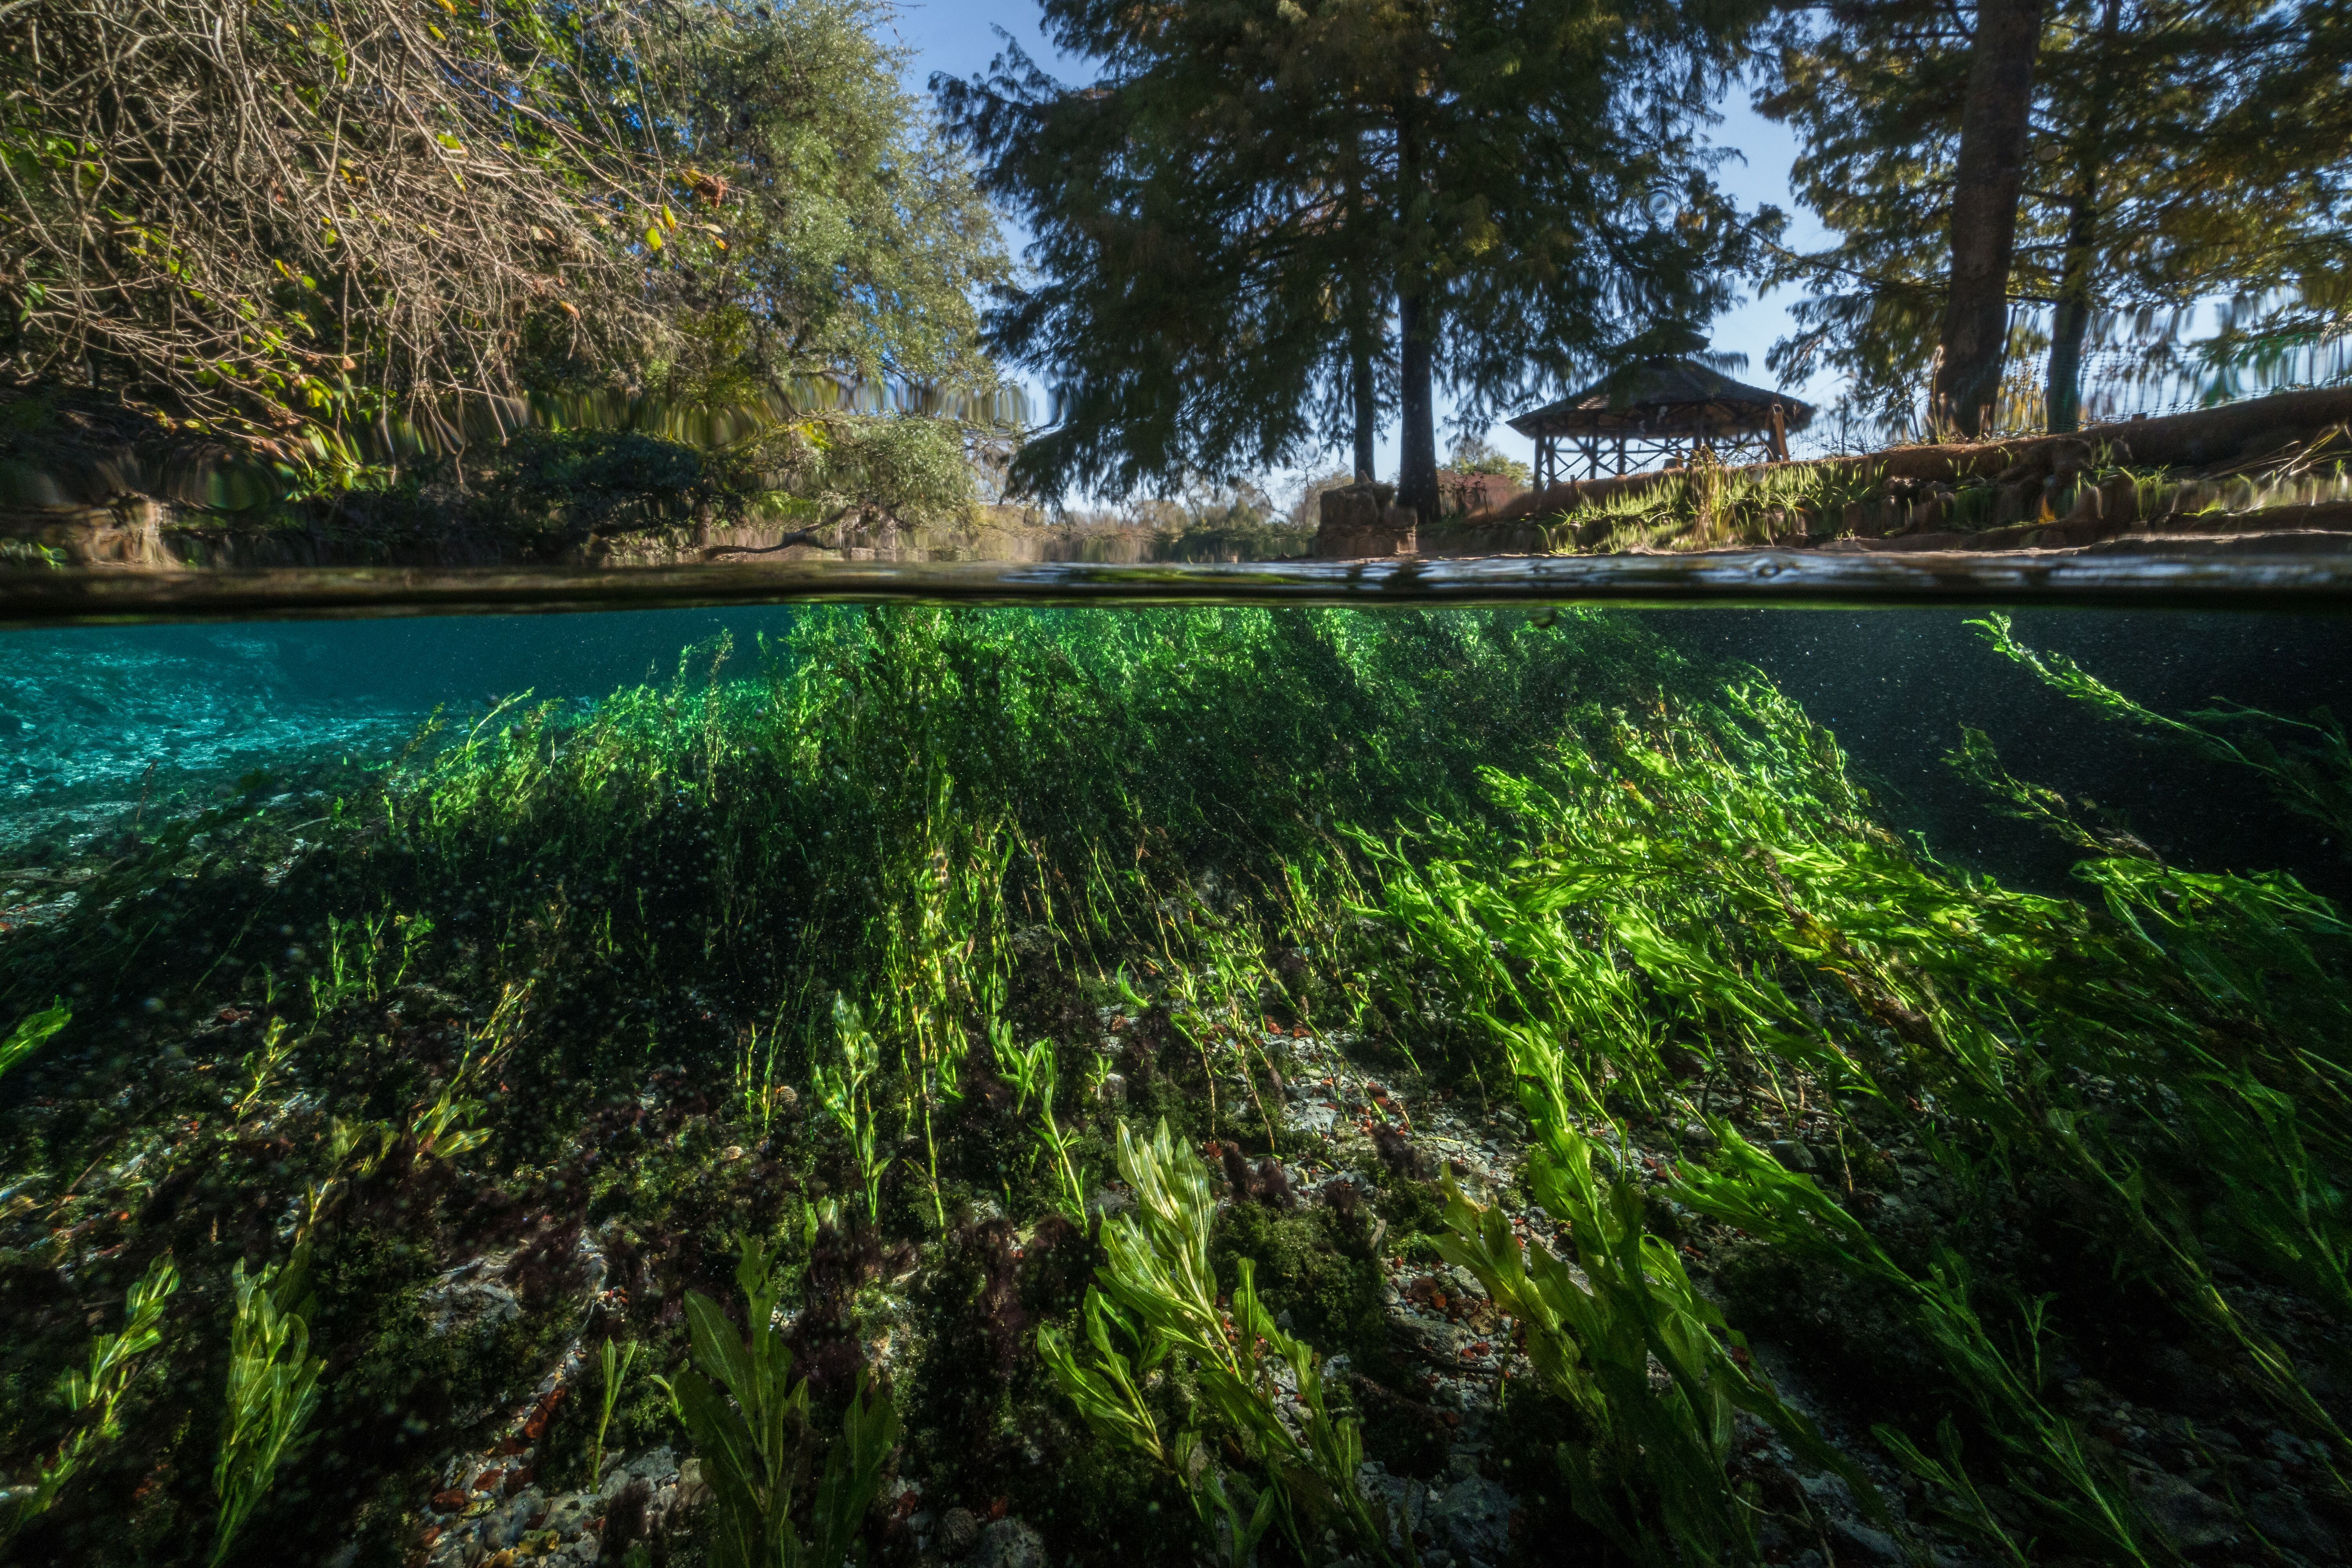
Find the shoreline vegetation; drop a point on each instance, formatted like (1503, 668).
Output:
(1450, 1087)
(622, 283)
(2273, 465)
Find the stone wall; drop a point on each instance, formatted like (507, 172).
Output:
(1360, 521)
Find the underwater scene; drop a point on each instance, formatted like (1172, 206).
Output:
(1207, 1085)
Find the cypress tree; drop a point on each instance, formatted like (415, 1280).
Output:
(2177, 150)
(1266, 218)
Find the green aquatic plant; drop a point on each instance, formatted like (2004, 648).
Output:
(755, 1077)
(750, 1423)
(1032, 1072)
(114, 1365)
(1713, 889)
(847, 1094)
(617, 1372)
(2307, 763)
(262, 1063)
(33, 1032)
(1647, 1469)
(2087, 829)
(1158, 1292)
(273, 1386)
(2045, 1458)
(449, 1124)
(1217, 972)
(1662, 897)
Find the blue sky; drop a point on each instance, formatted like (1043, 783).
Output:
(955, 37)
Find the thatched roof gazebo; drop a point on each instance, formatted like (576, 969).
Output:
(1656, 411)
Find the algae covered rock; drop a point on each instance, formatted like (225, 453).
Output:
(1010, 1543)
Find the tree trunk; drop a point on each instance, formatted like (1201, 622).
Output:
(1361, 394)
(2071, 321)
(1417, 413)
(1993, 128)
(1416, 348)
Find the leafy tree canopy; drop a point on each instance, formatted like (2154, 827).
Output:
(1251, 193)
(2180, 150)
(318, 229)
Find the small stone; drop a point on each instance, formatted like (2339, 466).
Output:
(2189, 1520)
(1010, 1543)
(2286, 1518)
(1699, 1137)
(692, 1490)
(958, 1532)
(568, 1516)
(1870, 1544)
(1478, 1519)
(732, 1152)
(1112, 1089)
(1792, 1154)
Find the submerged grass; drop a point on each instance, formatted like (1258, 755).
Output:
(1160, 1294)
(97, 1395)
(576, 1020)
(273, 1387)
(750, 1421)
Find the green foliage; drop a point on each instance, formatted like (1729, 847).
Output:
(2163, 172)
(1032, 1071)
(33, 1032)
(113, 1367)
(847, 1094)
(1159, 1293)
(750, 1426)
(617, 1372)
(1476, 455)
(273, 1386)
(2088, 1501)
(1707, 507)
(1469, 164)
(295, 306)
(1712, 886)
(2307, 767)
(842, 233)
(1315, 1267)
(722, 240)
(993, 826)
(265, 1060)
(585, 483)
(1649, 1471)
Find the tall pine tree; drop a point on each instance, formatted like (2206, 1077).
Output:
(1265, 219)
(2164, 165)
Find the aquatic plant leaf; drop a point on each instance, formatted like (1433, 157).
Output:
(273, 1386)
(750, 1428)
(1159, 1290)
(32, 1032)
(113, 1367)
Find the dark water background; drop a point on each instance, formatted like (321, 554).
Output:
(91, 717)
